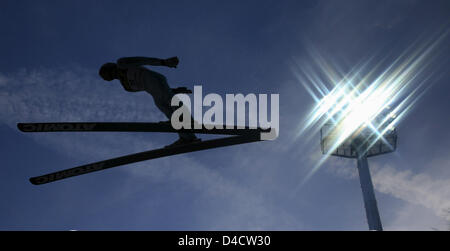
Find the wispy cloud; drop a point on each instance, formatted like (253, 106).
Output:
(424, 194)
(416, 188)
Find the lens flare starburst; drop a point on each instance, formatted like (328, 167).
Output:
(366, 104)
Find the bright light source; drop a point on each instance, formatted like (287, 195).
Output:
(366, 104)
(358, 115)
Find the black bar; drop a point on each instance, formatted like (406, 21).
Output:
(220, 240)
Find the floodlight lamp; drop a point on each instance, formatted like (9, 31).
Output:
(372, 138)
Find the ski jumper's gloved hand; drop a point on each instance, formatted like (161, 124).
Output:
(170, 62)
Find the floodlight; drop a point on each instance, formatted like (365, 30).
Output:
(366, 141)
(356, 110)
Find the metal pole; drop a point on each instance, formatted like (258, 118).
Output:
(370, 203)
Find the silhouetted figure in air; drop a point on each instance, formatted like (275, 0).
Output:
(134, 77)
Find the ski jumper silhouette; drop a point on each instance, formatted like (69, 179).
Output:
(134, 78)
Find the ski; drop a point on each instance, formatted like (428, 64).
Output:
(164, 126)
(146, 155)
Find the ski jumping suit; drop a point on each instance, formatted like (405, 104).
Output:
(139, 78)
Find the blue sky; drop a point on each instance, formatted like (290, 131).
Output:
(50, 53)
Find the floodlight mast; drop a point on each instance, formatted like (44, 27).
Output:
(360, 148)
(370, 202)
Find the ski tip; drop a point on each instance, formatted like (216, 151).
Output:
(20, 126)
(27, 127)
(34, 181)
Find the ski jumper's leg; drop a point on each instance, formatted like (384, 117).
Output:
(163, 99)
(167, 109)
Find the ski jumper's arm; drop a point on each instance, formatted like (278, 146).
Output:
(138, 61)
